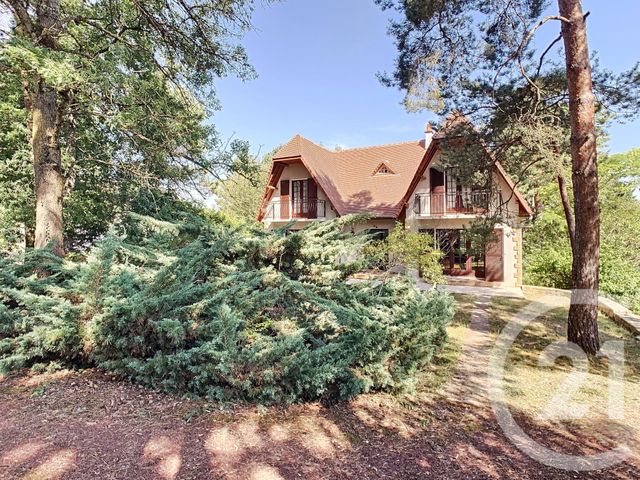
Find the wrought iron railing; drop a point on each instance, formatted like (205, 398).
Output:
(452, 203)
(293, 209)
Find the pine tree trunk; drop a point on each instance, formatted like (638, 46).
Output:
(583, 313)
(49, 181)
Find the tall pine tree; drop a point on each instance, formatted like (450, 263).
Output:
(478, 56)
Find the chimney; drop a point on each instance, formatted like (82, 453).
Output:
(428, 134)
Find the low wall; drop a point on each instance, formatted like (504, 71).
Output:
(612, 309)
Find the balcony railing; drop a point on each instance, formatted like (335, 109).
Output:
(292, 210)
(452, 203)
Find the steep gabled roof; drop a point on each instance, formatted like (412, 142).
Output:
(346, 176)
(452, 125)
(430, 155)
(293, 148)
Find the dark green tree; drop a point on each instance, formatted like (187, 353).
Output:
(117, 92)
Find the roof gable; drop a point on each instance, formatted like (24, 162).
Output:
(457, 120)
(347, 176)
(292, 148)
(350, 177)
(522, 202)
(383, 169)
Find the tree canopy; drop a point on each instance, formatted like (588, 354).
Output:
(239, 195)
(129, 86)
(478, 57)
(547, 252)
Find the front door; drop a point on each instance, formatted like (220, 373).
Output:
(494, 259)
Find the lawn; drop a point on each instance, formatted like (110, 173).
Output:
(544, 392)
(549, 328)
(90, 425)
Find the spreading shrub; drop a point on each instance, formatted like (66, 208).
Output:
(39, 319)
(225, 313)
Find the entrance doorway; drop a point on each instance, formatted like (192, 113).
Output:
(459, 255)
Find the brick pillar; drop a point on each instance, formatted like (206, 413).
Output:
(517, 246)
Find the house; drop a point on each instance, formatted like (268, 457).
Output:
(403, 182)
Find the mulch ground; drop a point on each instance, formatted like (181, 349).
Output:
(88, 425)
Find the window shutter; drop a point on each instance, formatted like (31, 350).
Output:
(284, 198)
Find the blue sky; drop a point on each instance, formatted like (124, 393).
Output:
(317, 63)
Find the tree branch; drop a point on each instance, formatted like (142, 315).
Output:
(21, 14)
(525, 41)
(568, 212)
(547, 50)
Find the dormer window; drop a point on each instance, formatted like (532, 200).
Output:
(383, 169)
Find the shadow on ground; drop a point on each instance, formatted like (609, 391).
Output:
(90, 426)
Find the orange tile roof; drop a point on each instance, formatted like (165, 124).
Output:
(348, 176)
(293, 148)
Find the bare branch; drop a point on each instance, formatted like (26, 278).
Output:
(525, 41)
(547, 50)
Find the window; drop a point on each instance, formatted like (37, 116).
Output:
(432, 233)
(300, 197)
(452, 181)
(456, 247)
(383, 169)
(378, 233)
(443, 239)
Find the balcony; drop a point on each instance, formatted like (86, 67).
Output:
(310, 209)
(450, 204)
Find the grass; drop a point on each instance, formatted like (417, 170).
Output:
(552, 392)
(445, 362)
(464, 305)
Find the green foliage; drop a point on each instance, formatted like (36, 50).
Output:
(240, 194)
(547, 252)
(405, 249)
(134, 87)
(39, 317)
(483, 56)
(223, 312)
(16, 178)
